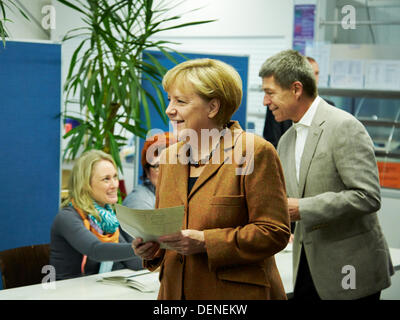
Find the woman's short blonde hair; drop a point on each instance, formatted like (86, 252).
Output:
(79, 187)
(211, 79)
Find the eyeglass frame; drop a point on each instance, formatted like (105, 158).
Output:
(154, 166)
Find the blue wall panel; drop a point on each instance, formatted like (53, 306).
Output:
(30, 97)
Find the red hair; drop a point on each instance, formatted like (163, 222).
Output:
(158, 142)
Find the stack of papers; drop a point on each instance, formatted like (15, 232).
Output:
(144, 282)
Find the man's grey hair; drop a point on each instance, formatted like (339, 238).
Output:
(287, 67)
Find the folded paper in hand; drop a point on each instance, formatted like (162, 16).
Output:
(144, 282)
(150, 224)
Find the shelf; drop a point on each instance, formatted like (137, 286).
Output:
(379, 123)
(384, 154)
(367, 93)
(359, 93)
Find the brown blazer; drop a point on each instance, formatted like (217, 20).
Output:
(243, 212)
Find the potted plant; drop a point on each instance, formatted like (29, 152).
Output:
(107, 69)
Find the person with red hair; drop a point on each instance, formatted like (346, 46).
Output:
(143, 196)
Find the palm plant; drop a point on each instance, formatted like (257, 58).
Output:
(108, 67)
(9, 4)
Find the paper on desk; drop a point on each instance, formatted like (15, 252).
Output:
(150, 224)
(145, 282)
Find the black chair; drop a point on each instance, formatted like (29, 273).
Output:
(23, 266)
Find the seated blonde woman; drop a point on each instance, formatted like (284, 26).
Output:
(85, 236)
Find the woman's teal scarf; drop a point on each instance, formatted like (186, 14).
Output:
(108, 223)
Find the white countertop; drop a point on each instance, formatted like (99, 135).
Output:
(83, 288)
(87, 288)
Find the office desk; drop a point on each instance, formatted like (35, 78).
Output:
(395, 254)
(284, 263)
(83, 288)
(87, 288)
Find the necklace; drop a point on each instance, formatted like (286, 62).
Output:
(206, 159)
(201, 162)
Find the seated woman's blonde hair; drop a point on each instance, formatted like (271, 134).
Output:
(79, 188)
(211, 79)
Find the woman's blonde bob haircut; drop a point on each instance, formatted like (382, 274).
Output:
(210, 79)
(79, 187)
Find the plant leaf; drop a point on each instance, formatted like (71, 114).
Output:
(114, 151)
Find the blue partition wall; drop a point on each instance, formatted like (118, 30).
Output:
(240, 63)
(30, 93)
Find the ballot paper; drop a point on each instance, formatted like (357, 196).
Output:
(150, 224)
(145, 281)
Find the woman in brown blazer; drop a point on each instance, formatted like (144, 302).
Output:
(232, 187)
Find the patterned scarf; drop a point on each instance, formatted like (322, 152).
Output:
(108, 218)
(108, 223)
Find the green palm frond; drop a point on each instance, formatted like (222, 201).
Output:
(9, 5)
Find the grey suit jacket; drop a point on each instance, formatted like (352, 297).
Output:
(339, 195)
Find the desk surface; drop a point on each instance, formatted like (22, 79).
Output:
(83, 288)
(395, 255)
(87, 288)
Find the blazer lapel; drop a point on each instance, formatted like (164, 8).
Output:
(313, 137)
(207, 173)
(181, 173)
(225, 153)
(291, 179)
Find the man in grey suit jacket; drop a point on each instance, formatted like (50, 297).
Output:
(332, 183)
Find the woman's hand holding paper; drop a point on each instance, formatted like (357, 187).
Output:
(185, 242)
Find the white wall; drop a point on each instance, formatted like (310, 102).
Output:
(67, 19)
(234, 18)
(21, 28)
(237, 18)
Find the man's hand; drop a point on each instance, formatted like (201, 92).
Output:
(185, 242)
(293, 206)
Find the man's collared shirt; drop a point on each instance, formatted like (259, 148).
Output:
(302, 128)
